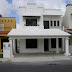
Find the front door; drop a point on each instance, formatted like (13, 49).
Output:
(46, 45)
(46, 24)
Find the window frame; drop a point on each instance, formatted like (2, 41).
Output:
(31, 22)
(58, 23)
(51, 22)
(32, 47)
(53, 40)
(54, 23)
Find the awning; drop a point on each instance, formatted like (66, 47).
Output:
(4, 32)
(31, 16)
(68, 30)
(24, 32)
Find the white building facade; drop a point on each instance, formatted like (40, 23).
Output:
(40, 31)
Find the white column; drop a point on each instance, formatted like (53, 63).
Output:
(67, 47)
(60, 23)
(57, 46)
(56, 22)
(41, 23)
(49, 23)
(49, 44)
(18, 45)
(11, 48)
(53, 23)
(63, 44)
(14, 46)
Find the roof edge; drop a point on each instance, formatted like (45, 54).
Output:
(68, 5)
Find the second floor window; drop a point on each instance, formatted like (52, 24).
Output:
(57, 23)
(51, 23)
(54, 23)
(31, 22)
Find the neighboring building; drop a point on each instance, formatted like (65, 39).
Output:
(40, 31)
(67, 22)
(67, 19)
(6, 25)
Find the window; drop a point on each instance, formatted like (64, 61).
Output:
(2, 20)
(11, 20)
(53, 43)
(51, 23)
(5, 20)
(54, 23)
(31, 43)
(31, 22)
(57, 23)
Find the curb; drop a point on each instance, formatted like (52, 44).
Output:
(8, 60)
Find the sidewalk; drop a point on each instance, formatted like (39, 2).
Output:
(4, 60)
(39, 58)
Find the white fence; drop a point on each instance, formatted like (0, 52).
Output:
(6, 50)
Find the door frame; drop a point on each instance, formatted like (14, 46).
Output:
(52, 49)
(48, 24)
(47, 46)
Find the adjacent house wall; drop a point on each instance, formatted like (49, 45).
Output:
(67, 19)
(40, 49)
(6, 24)
(67, 22)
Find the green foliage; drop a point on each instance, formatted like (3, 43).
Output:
(1, 55)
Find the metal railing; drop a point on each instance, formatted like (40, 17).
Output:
(30, 25)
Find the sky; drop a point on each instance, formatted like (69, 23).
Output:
(9, 8)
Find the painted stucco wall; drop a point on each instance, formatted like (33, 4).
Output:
(39, 49)
(53, 18)
(34, 10)
(30, 10)
(67, 19)
(8, 23)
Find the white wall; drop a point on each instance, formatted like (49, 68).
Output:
(32, 9)
(40, 48)
(67, 19)
(52, 12)
(53, 18)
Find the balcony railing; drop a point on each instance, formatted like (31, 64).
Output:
(5, 28)
(30, 25)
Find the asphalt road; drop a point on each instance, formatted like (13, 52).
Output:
(60, 66)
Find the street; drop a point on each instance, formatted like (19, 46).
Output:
(54, 66)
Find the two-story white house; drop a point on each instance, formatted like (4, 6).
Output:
(40, 31)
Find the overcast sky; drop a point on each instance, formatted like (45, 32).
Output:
(10, 7)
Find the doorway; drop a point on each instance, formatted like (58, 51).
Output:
(46, 44)
(46, 24)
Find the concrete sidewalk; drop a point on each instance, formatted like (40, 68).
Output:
(4, 60)
(39, 58)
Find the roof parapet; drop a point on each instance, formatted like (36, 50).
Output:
(31, 3)
(68, 5)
